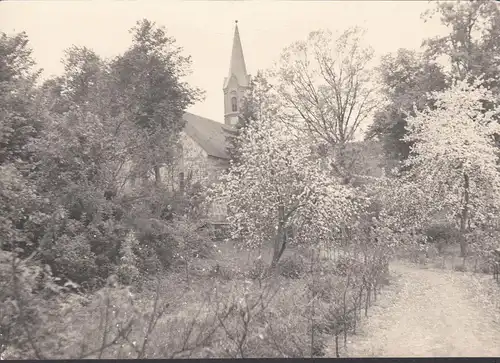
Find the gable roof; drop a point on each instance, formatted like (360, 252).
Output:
(209, 134)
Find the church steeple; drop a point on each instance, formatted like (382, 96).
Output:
(237, 65)
(237, 81)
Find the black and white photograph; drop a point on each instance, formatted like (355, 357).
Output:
(237, 179)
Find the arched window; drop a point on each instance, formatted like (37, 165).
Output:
(234, 104)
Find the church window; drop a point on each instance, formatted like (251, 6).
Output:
(234, 104)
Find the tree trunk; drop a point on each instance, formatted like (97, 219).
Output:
(367, 303)
(280, 238)
(464, 216)
(344, 306)
(354, 321)
(157, 175)
(360, 302)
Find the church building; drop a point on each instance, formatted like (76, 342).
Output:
(204, 146)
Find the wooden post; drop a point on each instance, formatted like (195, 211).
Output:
(464, 218)
(181, 182)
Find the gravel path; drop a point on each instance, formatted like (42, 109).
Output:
(430, 313)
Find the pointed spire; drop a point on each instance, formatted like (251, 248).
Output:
(237, 65)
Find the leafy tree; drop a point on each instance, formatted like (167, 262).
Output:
(407, 78)
(18, 115)
(98, 121)
(473, 42)
(454, 161)
(77, 163)
(470, 47)
(82, 67)
(24, 210)
(148, 80)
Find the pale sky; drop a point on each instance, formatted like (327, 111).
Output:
(205, 30)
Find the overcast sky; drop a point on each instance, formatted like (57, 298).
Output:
(205, 30)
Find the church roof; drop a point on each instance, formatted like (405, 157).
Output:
(209, 134)
(237, 67)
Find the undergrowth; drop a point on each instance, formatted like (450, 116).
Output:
(229, 308)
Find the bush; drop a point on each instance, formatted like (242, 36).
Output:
(258, 270)
(127, 270)
(28, 305)
(291, 267)
(221, 317)
(343, 265)
(287, 333)
(74, 259)
(441, 235)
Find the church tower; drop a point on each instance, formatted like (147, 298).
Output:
(236, 83)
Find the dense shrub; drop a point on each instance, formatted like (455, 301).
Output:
(258, 270)
(128, 271)
(292, 267)
(441, 235)
(29, 303)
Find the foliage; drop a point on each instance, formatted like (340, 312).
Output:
(472, 44)
(407, 78)
(293, 268)
(441, 235)
(24, 212)
(148, 82)
(470, 51)
(71, 148)
(482, 244)
(19, 115)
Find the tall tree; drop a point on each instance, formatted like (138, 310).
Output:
(22, 213)
(470, 48)
(81, 124)
(454, 161)
(325, 84)
(407, 78)
(149, 79)
(19, 121)
(472, 44)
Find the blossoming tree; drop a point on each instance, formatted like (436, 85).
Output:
(278, 185)
(454, 168)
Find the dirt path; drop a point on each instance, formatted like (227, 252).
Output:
(430, 313)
